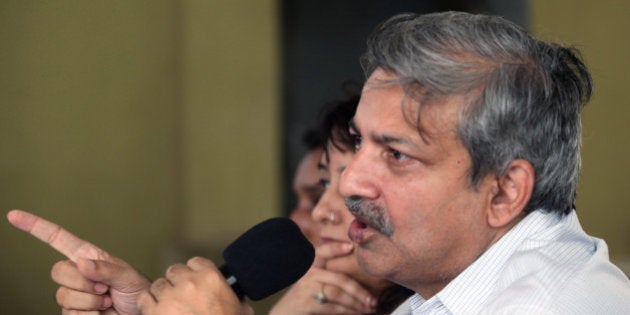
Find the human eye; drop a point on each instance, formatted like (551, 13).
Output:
(398, 158)
(397, 155)
(356, 141)
(324, 183)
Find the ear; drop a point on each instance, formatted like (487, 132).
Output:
(514, 189)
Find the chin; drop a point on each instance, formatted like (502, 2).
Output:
(349, 266)
(371, 265)
(346, 264)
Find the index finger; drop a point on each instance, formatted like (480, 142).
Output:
(55, 236)
(334, 249)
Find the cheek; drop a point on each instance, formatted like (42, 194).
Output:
(409, 208)
(431, 216)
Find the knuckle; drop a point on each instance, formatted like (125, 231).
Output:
(157, 283)
(197, 260)
(173, 268)
(157, 286)
(178, 272)
(61, 297)
(193, 259)
(340, 309)
(210, 277)
(59, 269)
(188, 287)
(144, 299)
(333, 291)
(73, 302)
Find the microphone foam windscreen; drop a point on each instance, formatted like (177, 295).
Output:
(269, 257)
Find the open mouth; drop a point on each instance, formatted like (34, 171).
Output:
(369, 216)
(361, 222)
(363, 219)
(360, 230)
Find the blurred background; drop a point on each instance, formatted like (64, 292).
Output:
(163, 129)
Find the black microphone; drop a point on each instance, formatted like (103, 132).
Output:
(267, 258)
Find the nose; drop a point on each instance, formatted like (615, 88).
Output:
(321, 211)
(359, 179)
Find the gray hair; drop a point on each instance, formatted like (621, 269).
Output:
(527, 94)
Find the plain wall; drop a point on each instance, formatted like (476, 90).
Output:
(88, 94)
(600, 30)
(148, 126)
(137, 125)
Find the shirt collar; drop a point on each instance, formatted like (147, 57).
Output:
(467, 292)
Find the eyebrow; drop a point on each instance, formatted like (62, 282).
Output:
(384, 138)
(312, 188)
(322, 167)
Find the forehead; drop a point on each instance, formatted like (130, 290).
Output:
(334, 154)
(385, 105)
(306, 172)
(334, 158)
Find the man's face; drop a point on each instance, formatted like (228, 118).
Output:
(331, 167)
(307, 192)
(418, 220)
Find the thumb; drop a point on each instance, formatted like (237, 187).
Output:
(120, 277)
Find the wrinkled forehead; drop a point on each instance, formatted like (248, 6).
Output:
(426, 112)
(409, 96)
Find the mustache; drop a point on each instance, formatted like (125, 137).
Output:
(372, 213)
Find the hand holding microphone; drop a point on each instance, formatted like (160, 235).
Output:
(267, 258)
(195, 288)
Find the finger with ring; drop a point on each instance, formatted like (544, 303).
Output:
(321, 298)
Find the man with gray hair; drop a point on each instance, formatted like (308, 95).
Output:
(462, 185)
(467, 161)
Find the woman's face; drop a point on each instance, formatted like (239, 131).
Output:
(334, 227)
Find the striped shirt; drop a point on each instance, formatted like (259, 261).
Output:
(546, 264)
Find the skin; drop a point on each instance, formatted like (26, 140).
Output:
(307, 190)
(416, 184)
(92, 279)
(420, 184)
(195, 288)
(95, 282)
(335, 272)
(337, 231)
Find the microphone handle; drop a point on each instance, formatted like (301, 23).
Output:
(231, 280)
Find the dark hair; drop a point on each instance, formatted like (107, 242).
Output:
(312, 139)
(526, 95)
(334, 122)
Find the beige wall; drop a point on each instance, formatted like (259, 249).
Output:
(601, 30)
(230, 116)
(133, 124)
(139, 124)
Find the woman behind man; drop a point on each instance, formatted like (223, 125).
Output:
(306, 187)
(336, 284)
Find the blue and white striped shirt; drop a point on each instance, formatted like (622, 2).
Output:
(546, 264)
